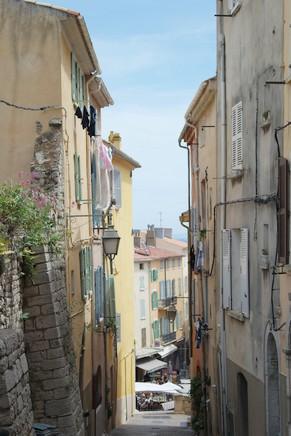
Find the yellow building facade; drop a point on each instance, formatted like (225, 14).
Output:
(123, 270)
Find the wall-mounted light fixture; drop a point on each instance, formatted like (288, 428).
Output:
(110, 241)
(171, 313)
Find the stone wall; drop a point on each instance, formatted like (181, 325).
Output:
(53, 377)
(10, 292)
(15, 403)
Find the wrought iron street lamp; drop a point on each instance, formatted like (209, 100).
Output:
(172, 312)
(110, 242)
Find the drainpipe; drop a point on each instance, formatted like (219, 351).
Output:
(222, 177)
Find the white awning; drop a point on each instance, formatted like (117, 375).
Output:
(169, 349)
(166, 388)
(152, 365)
(147, 352)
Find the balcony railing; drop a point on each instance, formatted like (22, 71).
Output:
(166, 302)
(169, 337)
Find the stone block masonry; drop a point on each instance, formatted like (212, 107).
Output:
(53, 379)
(15, 404)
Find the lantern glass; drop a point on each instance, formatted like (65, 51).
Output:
(172, 311)
(110, 242)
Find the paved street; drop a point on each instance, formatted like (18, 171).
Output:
(155, 424)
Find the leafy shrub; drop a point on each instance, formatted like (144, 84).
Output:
(26, 219)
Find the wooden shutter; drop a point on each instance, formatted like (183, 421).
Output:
(244, 271)
(79, 178)
(237, 137)
(99, 294)
(82, 273)
(226, 268)
(76, 176)
(73, 77)
(283, 211)
(90, 269)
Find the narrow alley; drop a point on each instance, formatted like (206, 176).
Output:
(155, 424)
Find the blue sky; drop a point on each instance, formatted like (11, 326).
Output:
(153, 55)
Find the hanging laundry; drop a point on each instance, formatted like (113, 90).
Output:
(106, 158)
(85, 119)
(199, 258)
(102, 178)
(92, 125)
(78, 113)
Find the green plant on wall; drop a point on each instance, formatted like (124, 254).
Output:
(197, 404)
(26, 220)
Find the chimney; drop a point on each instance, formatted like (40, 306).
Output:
(115, 139)
(136, 239)
(151, 236)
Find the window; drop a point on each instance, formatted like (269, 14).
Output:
(179, 262)
(78, 82)
(86, 270)
(77, 176)
(162, 290)
(143, 337)
(283, 212)
(162, 264)
(142, 309)
(99, 294)
(110, 301)
(235, 262)
(141, 283)
(96, 212)
(154, 300)
(237, 137)
(154, 275)
(141, 266)
(118, 327)
(156, 329)
(116, 191)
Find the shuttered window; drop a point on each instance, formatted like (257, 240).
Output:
(96, 213)
(237, 137)
(244, 271)
(86, 271)
(110, 301)
(235, 264)
(154, 300)
(154, 275)
(162, 290)
(156, 329)
(283, 211)
(226, 266)
(77, 176)
(78, 82)
(99, 294)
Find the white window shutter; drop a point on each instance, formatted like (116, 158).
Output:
(226, 266)
(244, 271)
(237, 136)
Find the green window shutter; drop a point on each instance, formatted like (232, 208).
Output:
(73, 77)
(82, 273)
(76, 176)
(90, 269)
(153, 301)
(79, 178)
